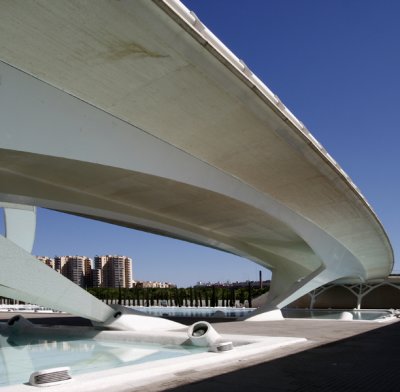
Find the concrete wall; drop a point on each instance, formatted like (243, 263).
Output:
(338, 297)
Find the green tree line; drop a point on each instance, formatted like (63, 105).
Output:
(209, 296)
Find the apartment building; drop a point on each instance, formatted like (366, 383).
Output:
(78, 269)
(112, 271)
(106, 271)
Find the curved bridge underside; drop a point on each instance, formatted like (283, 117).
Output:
(130, 112)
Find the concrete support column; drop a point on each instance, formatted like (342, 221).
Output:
(272, 309)
(20, 224)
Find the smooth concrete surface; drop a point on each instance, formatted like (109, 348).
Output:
(338, 356)
(134, 113)
(20, 224)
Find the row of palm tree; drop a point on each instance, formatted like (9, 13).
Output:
(191, 296)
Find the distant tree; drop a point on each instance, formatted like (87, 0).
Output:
(213, 297)
(176, 297)
(186, 298)
(207, 299)
(191, 296)
(232, 297)
(242, 296)
(250, 294)
(137, 293)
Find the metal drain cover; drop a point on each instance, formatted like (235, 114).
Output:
(49, 377)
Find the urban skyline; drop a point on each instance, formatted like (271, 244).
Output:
(110, 271)
(107, 271)
(114, 271)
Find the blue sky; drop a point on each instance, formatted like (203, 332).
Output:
(336, 65)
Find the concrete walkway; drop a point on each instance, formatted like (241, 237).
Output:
(340, 356)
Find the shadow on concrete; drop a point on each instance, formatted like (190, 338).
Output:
(365, 362)
(51, 319)
(192, 320)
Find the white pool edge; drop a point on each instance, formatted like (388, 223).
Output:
(129, 377)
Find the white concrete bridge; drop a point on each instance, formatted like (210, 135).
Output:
(134, 113)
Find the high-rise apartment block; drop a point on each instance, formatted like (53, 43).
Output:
(112, 271)
(75, 268)
(106, 271)
(78, 269)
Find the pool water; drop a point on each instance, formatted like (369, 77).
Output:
(189, 311)
(19, 358)
(337, 314)
(329, 314)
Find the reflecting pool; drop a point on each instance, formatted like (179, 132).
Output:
(20, 356)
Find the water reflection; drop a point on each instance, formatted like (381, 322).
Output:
(21, 354)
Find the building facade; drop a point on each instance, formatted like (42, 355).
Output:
(78, 269)
(112, 271)
(155, 285)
